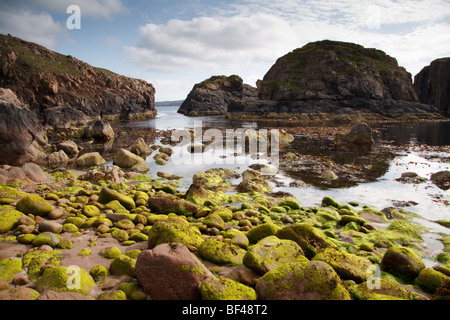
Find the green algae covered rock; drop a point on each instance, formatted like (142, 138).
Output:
(133, 290)
(110, 253)
(290, 202)
(112, 295)
(65, 279)
(107, 195)
(121, 265)
(270, 252)
(11, 193)
(306, 236)
(219, 288)
(330, 202)
(383, 287)
(214, 220)
(260, 232)
(348, 266)
(91, 211)
(402, 262)
(429, 280)
(37, 259)
(47, 238)
(221, 253)
(35, 205)
(98, 271)
(306, 280)
(237, 237)
(9, 218)
(175, 230)
(9, 268)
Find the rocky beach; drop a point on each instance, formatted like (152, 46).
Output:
(109, 207)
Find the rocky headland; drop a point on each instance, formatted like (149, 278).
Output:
(432, 84)
(330, 80)
(42, 89)
(212, 96)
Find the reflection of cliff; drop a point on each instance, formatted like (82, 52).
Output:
(433, 133)
(319, 162)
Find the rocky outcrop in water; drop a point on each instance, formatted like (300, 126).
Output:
(432, 84)
(329, 80)
(64, 91)
(212, 96)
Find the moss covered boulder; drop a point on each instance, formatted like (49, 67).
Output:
(48, 238)
(220, 252)
(382, 287)
(315, 280)
(402, 262)
(123, 265)
(429, 280)
(270, 252)
(107, 195)
(9, 218)
(9, 268)
(219, 288)
(65, 279)
(348, 266)
(165, 204)
(35, 205)
(171, 272)
(176, 230)
(309, 238)
(260, 232)
(36, 260)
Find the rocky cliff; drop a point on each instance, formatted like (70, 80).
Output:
(330, 80)
(212, 96)
(432, 85)
(63, 90)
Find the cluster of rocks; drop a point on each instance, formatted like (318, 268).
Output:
(331, 81)
(41, 90)
(135, 237)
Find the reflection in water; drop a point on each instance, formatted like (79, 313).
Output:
(368, 178)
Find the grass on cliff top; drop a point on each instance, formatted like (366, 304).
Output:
(348, 52)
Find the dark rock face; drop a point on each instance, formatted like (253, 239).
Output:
(329, 80)
(432, 85)
(212, 96)
(21, 134)
(65, 91)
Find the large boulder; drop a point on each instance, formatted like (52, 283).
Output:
(337, 81)
(402, 262)
(171, 272)
(21, 134)
(314, 280)
(35, 205)
(174, 230)
(129, 160)
(432, 84)
(212, 96)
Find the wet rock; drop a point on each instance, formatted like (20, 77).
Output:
(128, 160)
(166, 204)
(140, 148)
(57, 158)
(359, 137)
(221, 253)
(107, 195)
(441, 179)
(402, 262)
(91, 160)
(411, 177)
(50, 226)
(171, 272)
(99, 131)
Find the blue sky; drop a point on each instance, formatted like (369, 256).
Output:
(174, 44)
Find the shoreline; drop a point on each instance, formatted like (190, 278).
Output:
(223, 216)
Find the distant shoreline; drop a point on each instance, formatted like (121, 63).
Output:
(168, 103)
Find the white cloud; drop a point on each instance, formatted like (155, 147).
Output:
(206, 41)
(39, 28)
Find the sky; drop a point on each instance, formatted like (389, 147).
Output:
(175, 44)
